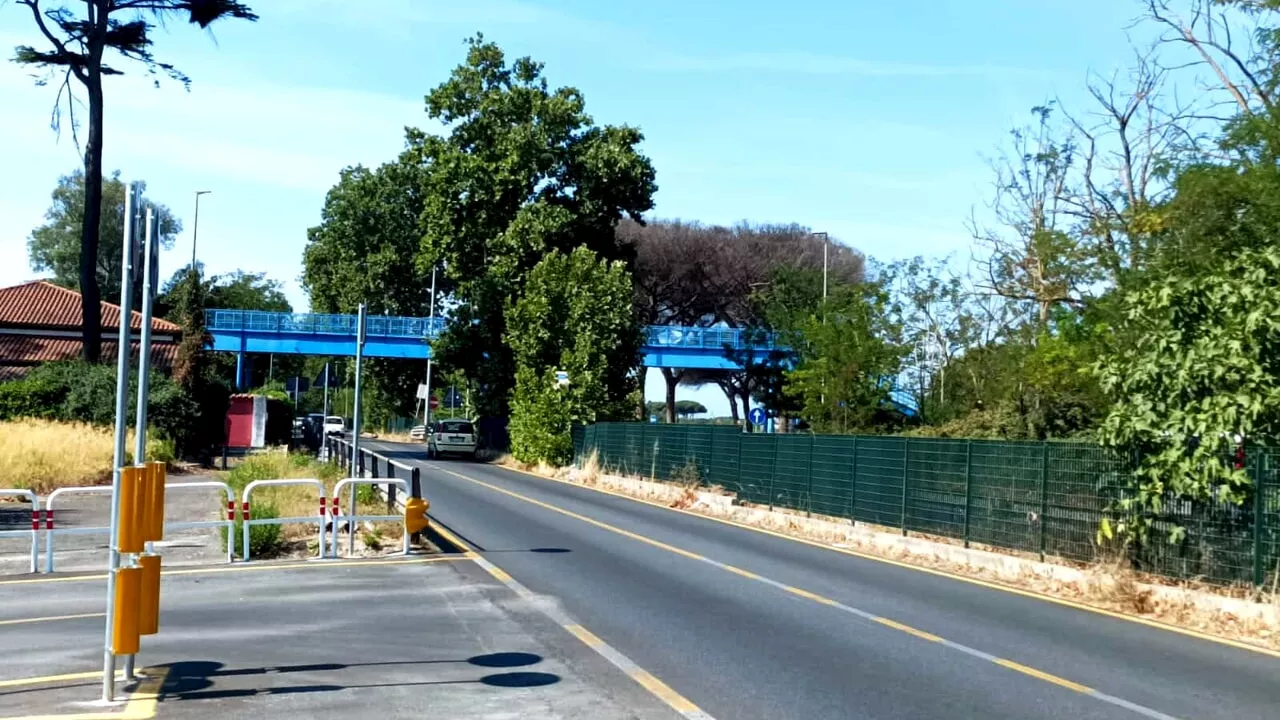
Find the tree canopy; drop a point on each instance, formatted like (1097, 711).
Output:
(55, 246)
(522, 172)
(77, 52)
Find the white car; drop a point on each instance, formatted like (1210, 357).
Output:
(334, 425)
(456, 437)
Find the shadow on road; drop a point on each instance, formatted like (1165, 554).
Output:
(198, 679)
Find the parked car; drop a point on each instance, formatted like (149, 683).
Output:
(418, 432)
(456, 437)
(334, 425)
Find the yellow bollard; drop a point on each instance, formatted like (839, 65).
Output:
(149, 599)
(130, 529)
(415, 515)
(124, 636)
(155, 501)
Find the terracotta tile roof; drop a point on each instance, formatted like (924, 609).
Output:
(19, 352)
(42, 304)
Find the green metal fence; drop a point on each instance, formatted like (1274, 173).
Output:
(1047, 498)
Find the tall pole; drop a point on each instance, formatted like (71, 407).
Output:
(825, 245)
(326, 392)
(431, 327)
(355, 431)
(195, 228)
(132, 201)
(144, 360)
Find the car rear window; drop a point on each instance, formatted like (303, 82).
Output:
(334, 420)
(455, 427)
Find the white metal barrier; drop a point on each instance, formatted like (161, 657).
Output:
(247, 521)
(50, 531)
(352, 518)
(34, 532)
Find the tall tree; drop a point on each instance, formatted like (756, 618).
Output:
(365, 250)
(522, 171)
(78, 42)
(55, 246)
(574, 316)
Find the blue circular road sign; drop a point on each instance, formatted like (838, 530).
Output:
(757, 416)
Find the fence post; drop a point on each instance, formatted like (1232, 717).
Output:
(808, 508)
(773, 471)
(853, 483)
(968, 484)
(391, 488)
(1259, 572)
(415, 483)
(906, 447)
(1044, 494)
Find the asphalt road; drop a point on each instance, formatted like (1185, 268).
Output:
(748, 625)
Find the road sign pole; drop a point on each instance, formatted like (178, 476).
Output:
(132, 198)
(355, 431)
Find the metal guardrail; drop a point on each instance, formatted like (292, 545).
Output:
(34, 532)
(51, 531)
(247, 521)
(351, 517)
(667, 336)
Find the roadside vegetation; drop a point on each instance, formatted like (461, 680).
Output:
(299, 501)
(44, 455)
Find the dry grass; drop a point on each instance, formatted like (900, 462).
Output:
(44, 455)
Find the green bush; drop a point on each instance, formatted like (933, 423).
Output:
(264, 540)
(540, 420)
(79, 392)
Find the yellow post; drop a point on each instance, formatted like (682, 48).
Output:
(415, 515)
(124, 638)
(149, 600)
(155, 501)
(130, 535)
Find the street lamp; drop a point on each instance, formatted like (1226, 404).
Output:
(195, 229)
(825, 245)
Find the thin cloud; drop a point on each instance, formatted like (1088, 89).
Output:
(817, 64)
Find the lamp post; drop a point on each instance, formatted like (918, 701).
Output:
(195, 228)
(825, 244)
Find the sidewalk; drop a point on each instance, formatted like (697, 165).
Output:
(409, 638)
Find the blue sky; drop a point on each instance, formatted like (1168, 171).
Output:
(868, 120)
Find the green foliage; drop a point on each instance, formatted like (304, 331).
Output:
(522, 172)
(76, 391)
(1202, 370)
(264, 540)
(540, 419)
(575, 316)
(847, 359)
(55, 246)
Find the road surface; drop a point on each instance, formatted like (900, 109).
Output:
(749, 625)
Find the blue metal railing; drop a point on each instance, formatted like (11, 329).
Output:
(668, 336)
(322, 324)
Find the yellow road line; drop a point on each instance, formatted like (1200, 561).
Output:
(141, 704)
(656, 687)
(50, 679)
(51, 618)
(989, 584)
(677, 701)
(1043, 675)
(800, 592)
(808, 595)
(306, 565)
(587, 637)
(908, 629)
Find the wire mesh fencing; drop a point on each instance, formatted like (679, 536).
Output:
(1039, 497)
